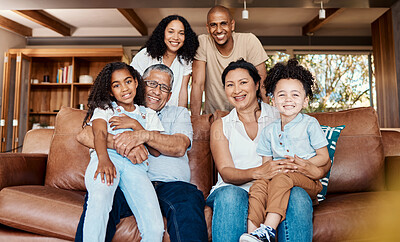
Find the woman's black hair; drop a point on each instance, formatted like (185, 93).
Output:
(242, 64)
(100, 93)
(291, 70)
(156, 46)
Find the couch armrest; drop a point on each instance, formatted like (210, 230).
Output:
(22, 169)
(391, 147)
(391, 141)
(38, 141)
(392, 172)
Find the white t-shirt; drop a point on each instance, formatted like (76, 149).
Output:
(142, 60)
(153, 123)
(241, 147)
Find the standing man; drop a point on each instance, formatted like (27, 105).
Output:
(216, 50)
(180, 202)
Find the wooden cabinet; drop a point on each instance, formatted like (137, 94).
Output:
(27, 99)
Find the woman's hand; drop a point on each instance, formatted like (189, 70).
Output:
(123, 121)
(310, 170)
(106, 168)
(271, 168)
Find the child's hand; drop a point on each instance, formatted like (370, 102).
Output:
(125, 122)
(307, 168)
(106, 168)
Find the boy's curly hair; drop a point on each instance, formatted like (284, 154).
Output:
(291, 70)
(100, 93)
(156, 46)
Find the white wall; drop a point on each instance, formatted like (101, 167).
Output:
(8, 40)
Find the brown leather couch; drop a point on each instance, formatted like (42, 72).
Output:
(41, 195)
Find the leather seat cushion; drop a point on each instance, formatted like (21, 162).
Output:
(41, 210)
(366, 216)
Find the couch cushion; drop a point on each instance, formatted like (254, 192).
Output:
(127, 229)
(364, 216)
(53, 212)
(68, 159)
(359, 159)
(15, 235)
(46, 210)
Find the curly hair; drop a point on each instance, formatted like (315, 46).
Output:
(242, 64)
(291, 70)
(100, 97)
(156, 46)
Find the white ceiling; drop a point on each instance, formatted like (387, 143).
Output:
(263, 21)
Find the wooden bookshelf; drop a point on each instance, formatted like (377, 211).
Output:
(40, 102)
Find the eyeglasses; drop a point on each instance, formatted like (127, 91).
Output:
(154, 84)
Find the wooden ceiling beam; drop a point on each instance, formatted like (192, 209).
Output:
(15, 27)
(45, 20)
(134, 19)
(316, 23)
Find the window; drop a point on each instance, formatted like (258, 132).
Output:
(343, 80)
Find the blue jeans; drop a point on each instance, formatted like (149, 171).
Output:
(139, 193)
(183, 206)
(230, 205)
(120, 209)
(298, 225)
(181, 203)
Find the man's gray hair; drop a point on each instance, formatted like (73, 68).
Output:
(159, 67)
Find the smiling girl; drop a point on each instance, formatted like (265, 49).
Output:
(174, 44)
(117, 91)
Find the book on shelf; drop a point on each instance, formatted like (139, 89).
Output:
(64, 74)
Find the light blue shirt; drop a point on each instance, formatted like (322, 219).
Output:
(175, 120)
(301, 136)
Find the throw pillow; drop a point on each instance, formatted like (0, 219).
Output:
(332, 135)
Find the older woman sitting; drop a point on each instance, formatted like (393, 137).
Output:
(234, 139)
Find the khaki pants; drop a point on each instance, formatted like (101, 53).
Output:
(272, 196)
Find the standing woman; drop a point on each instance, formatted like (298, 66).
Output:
(233, 142)
(174, 44)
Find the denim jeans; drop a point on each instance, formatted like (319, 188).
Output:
(298, 224)
(120, 209)
(139, 193)
(181, 203)
(183, 206)
(229, 222)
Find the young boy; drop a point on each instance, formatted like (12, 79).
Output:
(293, 136)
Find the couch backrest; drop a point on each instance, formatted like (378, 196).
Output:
(200, 158)
(359, 159)
(358, 165)
(68, 159)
